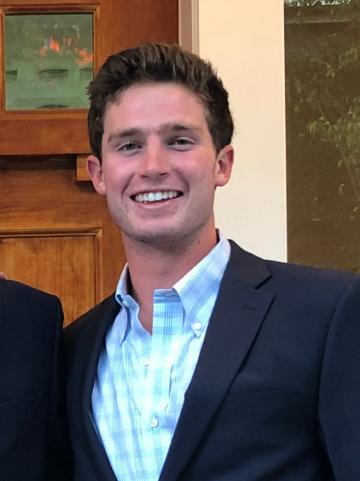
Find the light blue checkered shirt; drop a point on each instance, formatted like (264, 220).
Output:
(141, 378)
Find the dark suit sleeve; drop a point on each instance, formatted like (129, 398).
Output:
(339, 396)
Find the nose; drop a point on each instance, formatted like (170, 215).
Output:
(154, 160)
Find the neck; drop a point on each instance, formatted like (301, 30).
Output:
(160, 267)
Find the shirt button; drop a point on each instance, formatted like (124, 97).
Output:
(154, 422)
(126, 304)
(146, 362)
(197, 326)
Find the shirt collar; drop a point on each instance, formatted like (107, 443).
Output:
(121, 294)
(204, 279)
(194, 288)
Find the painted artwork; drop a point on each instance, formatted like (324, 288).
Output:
(48, 60)
(322, 63)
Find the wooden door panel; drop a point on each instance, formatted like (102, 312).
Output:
(55, 262)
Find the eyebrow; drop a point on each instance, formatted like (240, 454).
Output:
(177, 127)
(169, 127)
(123, 134)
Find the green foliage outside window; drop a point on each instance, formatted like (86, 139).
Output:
(323, 87)
(322, 59)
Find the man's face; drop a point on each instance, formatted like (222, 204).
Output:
(159, 166)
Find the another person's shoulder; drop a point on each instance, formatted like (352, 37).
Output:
(9, 288)
(27, 302)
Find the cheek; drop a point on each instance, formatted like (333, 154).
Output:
(114, 177)
(202, 169)
(204, 176)
(203, 190)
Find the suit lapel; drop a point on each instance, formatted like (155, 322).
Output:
(236, 319)
(99, 323)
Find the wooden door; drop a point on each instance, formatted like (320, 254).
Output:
(55, 231)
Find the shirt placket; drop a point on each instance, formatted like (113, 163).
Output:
(165, 338)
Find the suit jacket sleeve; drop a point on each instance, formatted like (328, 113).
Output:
(339, 395)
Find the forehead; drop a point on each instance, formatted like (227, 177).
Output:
(153, 101)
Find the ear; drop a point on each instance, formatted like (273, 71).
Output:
(95, 171)
(224, 163)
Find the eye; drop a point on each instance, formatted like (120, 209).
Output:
(129, 147)
(181, 143)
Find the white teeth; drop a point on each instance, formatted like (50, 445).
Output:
(156, 196)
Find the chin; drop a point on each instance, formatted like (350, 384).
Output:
(157, 237)
(154, 236)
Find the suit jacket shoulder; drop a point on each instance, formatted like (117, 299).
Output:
(252, 268)
(293, 285)
(26, 302)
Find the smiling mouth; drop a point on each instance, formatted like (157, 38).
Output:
(157, 196)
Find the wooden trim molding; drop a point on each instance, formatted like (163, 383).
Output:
(82, 174)
(189, 25)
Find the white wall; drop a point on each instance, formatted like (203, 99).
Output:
(244, 40)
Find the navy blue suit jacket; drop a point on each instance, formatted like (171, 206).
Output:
(275, 395)
(32, 430)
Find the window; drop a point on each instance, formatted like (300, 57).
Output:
(322, 52)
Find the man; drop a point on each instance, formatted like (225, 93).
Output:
(208, 363)
(31, 424)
